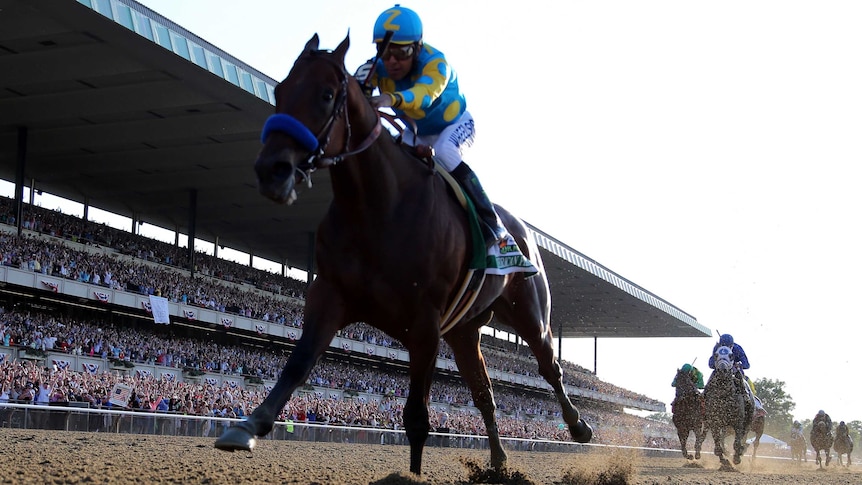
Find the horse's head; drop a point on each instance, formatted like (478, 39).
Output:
(684, 382)
(311, 125)
(723, 357)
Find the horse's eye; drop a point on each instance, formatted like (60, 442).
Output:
(328, 95)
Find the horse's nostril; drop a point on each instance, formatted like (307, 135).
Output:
(282, 171)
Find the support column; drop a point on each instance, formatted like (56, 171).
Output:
(193, 211)
(310, 264)
(86, 215)
(595, 355)
(18, 205)
(560, 342)
(215, 248)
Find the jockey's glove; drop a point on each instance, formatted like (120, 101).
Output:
(386, 100)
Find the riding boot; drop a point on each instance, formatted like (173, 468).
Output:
(492, 227)
(758, 406)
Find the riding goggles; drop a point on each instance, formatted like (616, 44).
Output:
(399, 51)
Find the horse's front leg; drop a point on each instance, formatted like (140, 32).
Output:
(718, 439)
(699, 437)
(422, 346)
(738, 446)
(324, 315)
(683, 441)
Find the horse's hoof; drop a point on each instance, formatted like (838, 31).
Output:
(236, 438)
(697, 455)
(737, 460)
(582, 432)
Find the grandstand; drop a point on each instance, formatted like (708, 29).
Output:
(47, 324)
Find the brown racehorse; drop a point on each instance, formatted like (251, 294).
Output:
(843, 444)
(688, 413)
(391, 251)
(821, 439)
(798, 447)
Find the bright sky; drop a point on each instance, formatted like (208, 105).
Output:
(702, 150)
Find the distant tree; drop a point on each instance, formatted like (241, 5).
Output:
(806, 427)
(779, 406)
(663, 417)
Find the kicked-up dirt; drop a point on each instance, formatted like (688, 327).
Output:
(59, 457)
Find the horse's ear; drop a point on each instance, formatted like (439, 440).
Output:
(312, 43)
(341, 50)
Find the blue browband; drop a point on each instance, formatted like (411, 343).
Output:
(291, 126)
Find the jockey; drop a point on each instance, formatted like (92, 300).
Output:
(842, 430)
(693, 372)
(417, 82)
(740, 362)
(738, 354)
(822, 416)
(796, 430)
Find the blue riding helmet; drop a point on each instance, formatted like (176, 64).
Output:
(405, 23)
(726, 340)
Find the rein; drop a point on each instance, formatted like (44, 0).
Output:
(317, 144)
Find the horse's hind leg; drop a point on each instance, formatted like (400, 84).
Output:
(464, 341)
(525, 307)
(324, 315)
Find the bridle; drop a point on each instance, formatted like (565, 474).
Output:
(317, 144)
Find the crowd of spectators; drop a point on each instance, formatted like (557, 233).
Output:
(75, 229)
(152, 267)
(137, 273)
(522, 414)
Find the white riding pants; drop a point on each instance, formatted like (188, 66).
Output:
(451, 143)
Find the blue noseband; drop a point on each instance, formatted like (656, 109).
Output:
(291, 126)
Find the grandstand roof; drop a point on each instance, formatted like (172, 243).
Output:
(126, 111)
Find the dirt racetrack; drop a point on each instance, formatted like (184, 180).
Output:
(34, 456)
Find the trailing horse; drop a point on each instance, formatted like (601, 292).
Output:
(728, 407)
(688, 413)
(843, 444)
(393, 251)
(798, 447)
(821, 439)
(757, 425)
